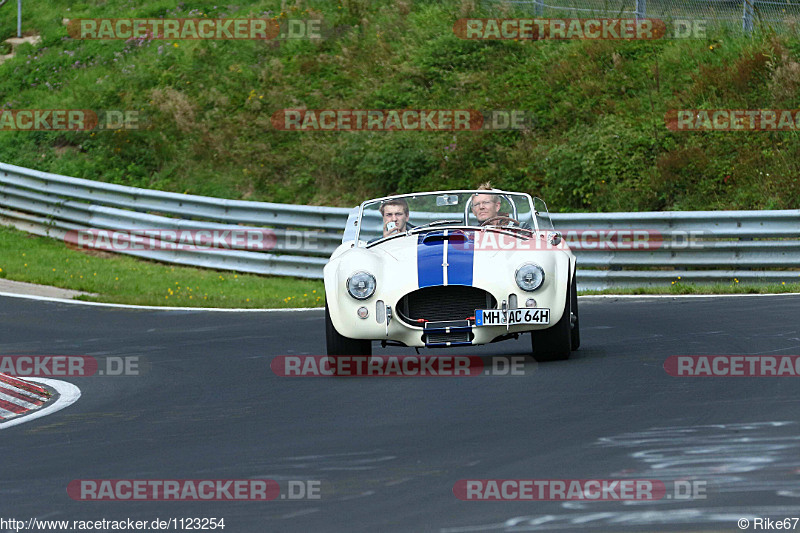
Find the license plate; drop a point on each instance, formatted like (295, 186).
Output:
(496, 317)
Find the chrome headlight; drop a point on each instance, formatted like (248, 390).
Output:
(361, 285)
(529, 276)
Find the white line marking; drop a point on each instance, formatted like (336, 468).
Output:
(157, 307)
(445, 266)
(68, 394)
(602, 296)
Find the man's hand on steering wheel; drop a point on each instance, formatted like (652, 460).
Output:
(500, 217)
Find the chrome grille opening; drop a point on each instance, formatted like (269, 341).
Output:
(454, 302)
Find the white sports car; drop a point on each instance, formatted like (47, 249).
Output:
(451, 268)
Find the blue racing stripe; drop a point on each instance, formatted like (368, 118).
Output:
(460, 258)
(430, 256)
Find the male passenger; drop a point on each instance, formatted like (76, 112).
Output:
(395, 216)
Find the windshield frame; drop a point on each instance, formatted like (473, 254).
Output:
(471, 192)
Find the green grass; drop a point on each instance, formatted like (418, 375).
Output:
(123, 279)
(599, 142)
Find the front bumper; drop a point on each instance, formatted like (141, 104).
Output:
(455, 331)
(437, 335)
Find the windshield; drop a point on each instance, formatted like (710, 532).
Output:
(384, 218)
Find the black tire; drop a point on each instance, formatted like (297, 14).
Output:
(554, 343)
(576, 327)
(339, 344)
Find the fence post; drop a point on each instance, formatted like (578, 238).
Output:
(19, 18)
(641, 9)
(747, 16)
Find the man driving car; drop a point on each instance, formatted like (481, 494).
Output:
(486, 206)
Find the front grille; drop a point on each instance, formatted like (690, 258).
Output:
(454, 302)
(441, 338)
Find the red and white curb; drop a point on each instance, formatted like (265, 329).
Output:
(18, 397)
(22, 400)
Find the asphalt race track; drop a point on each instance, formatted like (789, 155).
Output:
(388, 451)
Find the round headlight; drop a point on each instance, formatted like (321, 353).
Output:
(529, 276)
(361, 285)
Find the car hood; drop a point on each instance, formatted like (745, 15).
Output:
(444, 257)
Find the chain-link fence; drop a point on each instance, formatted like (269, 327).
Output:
(562, 8)
(746, 14)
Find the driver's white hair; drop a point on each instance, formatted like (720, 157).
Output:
(487, 186)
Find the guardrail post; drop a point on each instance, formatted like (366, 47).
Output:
(19, 18)
(538, 7)
(747, 16)
(641, 9)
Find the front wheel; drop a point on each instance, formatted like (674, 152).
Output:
(339, 344)
(554, 343)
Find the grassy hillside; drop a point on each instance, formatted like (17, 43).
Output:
(598, 144)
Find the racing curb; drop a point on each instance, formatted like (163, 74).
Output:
(19, 397)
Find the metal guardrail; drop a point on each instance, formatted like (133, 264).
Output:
(697, 246)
